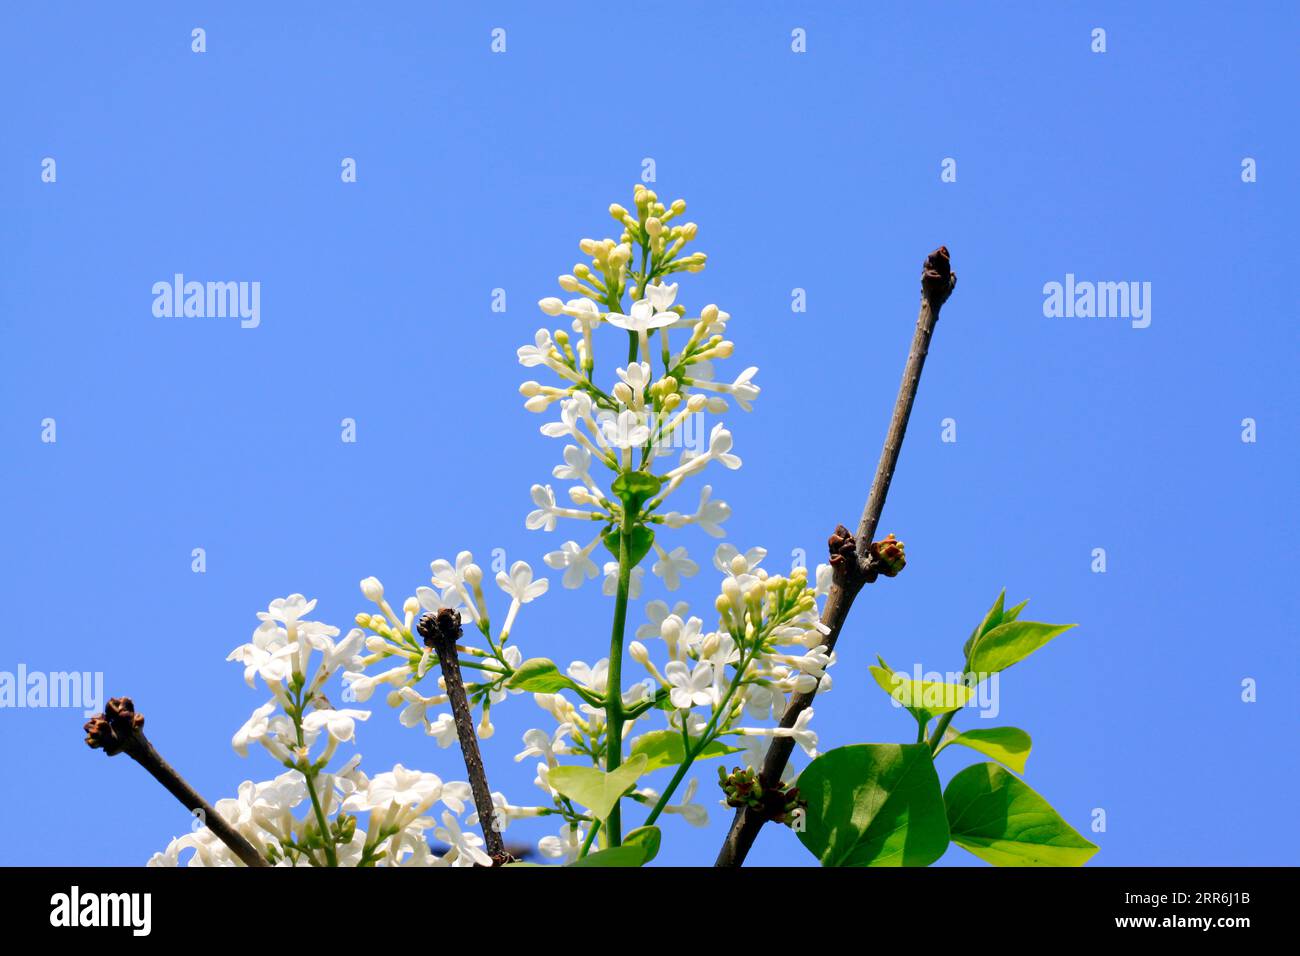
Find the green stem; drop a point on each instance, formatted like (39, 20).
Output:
(614, 684)
(591, 836)
(705, 738)
(936, 738)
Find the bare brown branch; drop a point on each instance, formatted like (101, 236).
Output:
(937, 283)
(441, 631)
(121, 730)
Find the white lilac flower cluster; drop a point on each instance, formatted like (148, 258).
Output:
(706, 693)
(310, 815)
(651, 406)
(768, 640)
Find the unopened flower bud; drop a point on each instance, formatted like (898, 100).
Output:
(372, 589)
(570, 284)
(551, 305)
(889, 555)
(617, 212)
(638, 652)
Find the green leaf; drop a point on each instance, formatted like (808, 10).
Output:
(1009, 643)
(634, 488)
(924, 699)
(991, 620)
(594, 789)
(638, 545)
(665, 748)
(998, 817)
(648, 838)
(539, 675)
(874, 805)
(1006, 745)
(613, 856)
(640, 846)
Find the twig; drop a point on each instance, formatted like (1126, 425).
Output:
(855, 560)
(441, 631)
(120, 729)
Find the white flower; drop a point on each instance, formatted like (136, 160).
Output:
(539, 353)
(467, 846)
(273, 666)
(361, 686)
(627, 430)
(575, 561)
(287, 611)
(725, 560)
(803, 735)
(547, 510)
(521, 587)
(254, 729)
(656, 612)
(610, 587)
(519, 584)
(443, 730)
(340, 724)
(452, 598)
(576, 467)
(638, 377)
(414, 714)
(673, 565)
(719, 451)
(592, 678)
(411, 789)
(696, 814)
(708, 518)
(690, 688)
(564, 847)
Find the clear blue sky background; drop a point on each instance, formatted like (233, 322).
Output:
(818, 171)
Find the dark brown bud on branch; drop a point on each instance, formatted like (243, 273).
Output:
(843, 548)
(937, 278)
(112, 730)
(444, 627)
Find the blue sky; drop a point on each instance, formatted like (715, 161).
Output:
(818, 171)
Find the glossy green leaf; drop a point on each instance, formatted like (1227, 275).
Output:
(648, 838)
(991, 620)
(539, 675)
(635, 488)
(924, 699)
(1006, 745)
(665, 748)
(638, 544)
(1002, 820)
(640, 846)
(874, 805)
(1009, 643)
(597, 790)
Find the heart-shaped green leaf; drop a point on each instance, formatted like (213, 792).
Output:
(1001, 819)
(874, 805)
(635, 488)
(1006, 745)
(638, 546)
(665, 748)
(597, 790)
